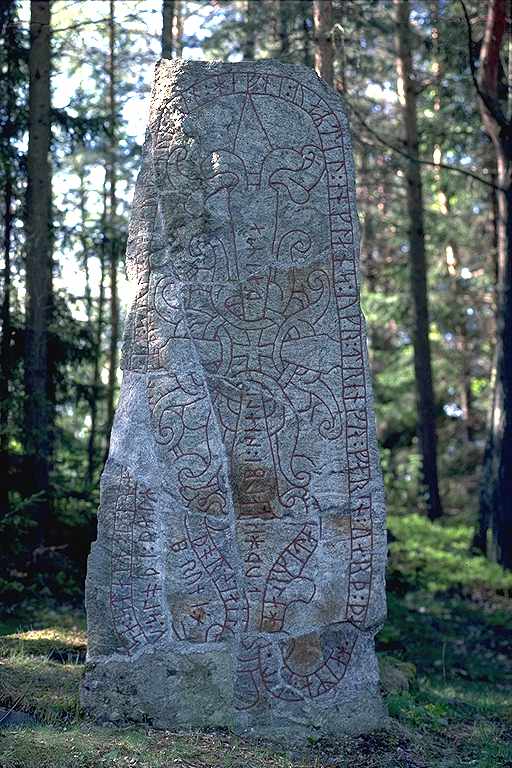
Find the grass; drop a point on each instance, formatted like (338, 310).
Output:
(40, 667)
(447, 671)
(83, 746)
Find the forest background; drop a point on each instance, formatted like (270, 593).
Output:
(427, 86)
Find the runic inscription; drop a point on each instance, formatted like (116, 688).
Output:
(135, 583)
(242, 507)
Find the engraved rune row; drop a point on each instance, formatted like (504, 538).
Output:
(259, 669)
(135, 599)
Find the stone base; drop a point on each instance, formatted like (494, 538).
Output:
(174, 691)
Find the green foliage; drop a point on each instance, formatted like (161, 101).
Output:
(401, 468)
(40, 668)
(468, 725)
(429, 715)
(449, 613)
(450, 620)
(435, 557)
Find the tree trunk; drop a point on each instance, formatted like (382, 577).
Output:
(307, 24)
(452, 251)
(486, 500)
(167, 29)
(112, 228)
(100, 322)
(284, 21)
(340, 49)
(466, 393)
(368, 229)
(418, 266)
(5, 349)
(177, 28)
(38, 267)
(453, 262)
(495, 240)
(96, 381)
(172, 29)
(249, 43)
(8, 21)
(496, 488)
(324, 51)
(485, 509)
(84, 243)
(496, 492)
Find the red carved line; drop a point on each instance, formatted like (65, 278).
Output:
(274, 576)
(342, 190)
(119, 507)
(116, 545)
(211, 574)
(353, 520)
(313, 684)
(340, 667)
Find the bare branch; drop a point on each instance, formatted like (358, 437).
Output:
(420, 161)
(128, 17)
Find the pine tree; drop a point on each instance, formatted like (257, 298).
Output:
(249, 40)
(113, 239)
(324, 51)
(168, 11)
(8, 25)
(39, 266)
(492, 89)
(418, 264)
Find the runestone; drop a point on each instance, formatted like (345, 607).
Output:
(238, 576)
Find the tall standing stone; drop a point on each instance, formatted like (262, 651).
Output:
(238, 576)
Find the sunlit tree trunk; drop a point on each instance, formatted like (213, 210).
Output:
(418, 265)
(38, 269)
(324, 51)
(98, 345)
(112, 228)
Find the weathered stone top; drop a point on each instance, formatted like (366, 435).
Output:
(241, 538)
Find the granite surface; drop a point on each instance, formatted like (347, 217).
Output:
(238, 575)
